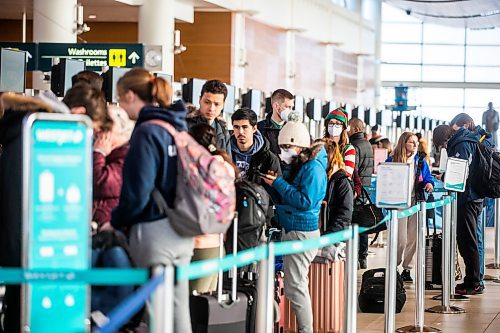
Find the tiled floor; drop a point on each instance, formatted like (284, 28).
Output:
(482, 311)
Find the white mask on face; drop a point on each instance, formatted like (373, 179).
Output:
(287, 155)
(285, 113)
(334, 130)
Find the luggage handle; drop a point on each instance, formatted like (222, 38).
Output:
(234, 270)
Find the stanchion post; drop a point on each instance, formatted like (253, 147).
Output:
(420, 278)
(445, 306)
(264, 320)
(163, 301)
(390, 274)
(496, 258)
(352, 281)
(453, 249)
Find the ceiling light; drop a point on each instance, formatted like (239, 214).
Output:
(92, 16)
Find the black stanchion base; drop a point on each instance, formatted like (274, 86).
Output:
(413, 328)
(493, 265)
(453, 297)
(496, 281)
(445, 310)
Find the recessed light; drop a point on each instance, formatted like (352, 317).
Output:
(92, 16)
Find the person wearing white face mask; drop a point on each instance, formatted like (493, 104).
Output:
(282, 102)
(299, 195)
(336, 129)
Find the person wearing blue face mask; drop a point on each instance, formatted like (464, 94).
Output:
(300, 192)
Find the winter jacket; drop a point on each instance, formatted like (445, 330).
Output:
(150, 163)
(364, 157)
(107, 183)
(463, 145)
(223, 137)
(270, 132)
(17, 108)
(299, 200)
(425, 173)
(257, 159)
(340, 202)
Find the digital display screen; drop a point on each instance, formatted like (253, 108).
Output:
(12, 70)
(71, 68)
(299, 105)
(191, 91)
(230, 99)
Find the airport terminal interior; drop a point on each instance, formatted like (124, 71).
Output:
(341, 172)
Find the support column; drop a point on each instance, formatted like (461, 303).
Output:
(156, 27)
(290, 60)
(377, 14)
(54, 21)
(239, 57)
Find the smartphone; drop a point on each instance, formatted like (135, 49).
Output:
(263, 174)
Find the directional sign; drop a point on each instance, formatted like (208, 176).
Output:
(57, 199)
(30, 48)
(96, 56)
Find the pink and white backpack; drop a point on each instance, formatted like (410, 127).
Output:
(205, 194)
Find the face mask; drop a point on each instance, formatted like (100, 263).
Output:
(334, 130)
(285, 113)
(287, 155)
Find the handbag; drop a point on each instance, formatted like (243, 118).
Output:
(366, 214)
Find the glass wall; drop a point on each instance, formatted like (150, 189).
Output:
(431, 55)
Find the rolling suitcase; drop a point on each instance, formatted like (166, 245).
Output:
(279, 326)
(220, 313)
(326, 287)
(433, 259)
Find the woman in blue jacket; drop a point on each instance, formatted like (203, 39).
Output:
(406, 152)
(300, 192)
(151, 164)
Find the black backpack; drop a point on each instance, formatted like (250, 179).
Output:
(485, 180)
(372, 293)
(252, 205)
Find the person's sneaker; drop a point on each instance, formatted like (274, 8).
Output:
(406, 276)
(462, 289)
(362, 264)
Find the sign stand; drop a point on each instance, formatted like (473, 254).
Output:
(352, 281)
(57, 201)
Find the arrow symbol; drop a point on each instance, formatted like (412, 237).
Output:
(134, 57)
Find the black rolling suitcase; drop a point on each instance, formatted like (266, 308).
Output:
(433, 252)
(222, 312)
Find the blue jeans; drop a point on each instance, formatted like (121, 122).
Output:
(480, 245)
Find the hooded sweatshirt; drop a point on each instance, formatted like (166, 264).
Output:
(242, 158)
(463, 145)
(150, 163)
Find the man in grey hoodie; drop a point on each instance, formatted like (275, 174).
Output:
(250, 149)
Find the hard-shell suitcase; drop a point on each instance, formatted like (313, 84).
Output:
(279, 326)
(326, 287)
(218, 313)
(433, 257)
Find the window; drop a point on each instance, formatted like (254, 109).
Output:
(443, 73)
(446, 97)
(443, 54)
(482, 74)
(402, 32)
(439, 34)
(483, 37)
(483, 55)
(402, 53)
(400, 72)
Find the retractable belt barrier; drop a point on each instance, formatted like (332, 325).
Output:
(191, 271)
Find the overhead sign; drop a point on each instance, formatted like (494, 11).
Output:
(31, 52)
(394, 182)
(96, 56)
(57, 198)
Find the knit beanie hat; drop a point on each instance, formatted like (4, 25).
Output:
(339, 114)
(296, 134)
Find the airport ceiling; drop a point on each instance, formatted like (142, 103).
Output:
(104, 10)
(474, 14)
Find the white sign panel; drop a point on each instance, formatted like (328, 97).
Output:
(394, 183)
(443, 158)
(457, 171)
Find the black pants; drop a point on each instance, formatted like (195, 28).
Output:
(468, 213)
(12, 300)
(363, 247)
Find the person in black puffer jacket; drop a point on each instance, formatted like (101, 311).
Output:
(364, 164)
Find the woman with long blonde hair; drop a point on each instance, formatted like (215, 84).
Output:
(406, 152)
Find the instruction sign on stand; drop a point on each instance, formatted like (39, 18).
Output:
(57, 197)
(394, 183)
(457, 171)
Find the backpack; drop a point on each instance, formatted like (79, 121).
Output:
(252, 204)
(205, 193)
(372, 294)
(485, 180)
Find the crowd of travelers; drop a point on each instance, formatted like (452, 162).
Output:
(274, 159)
